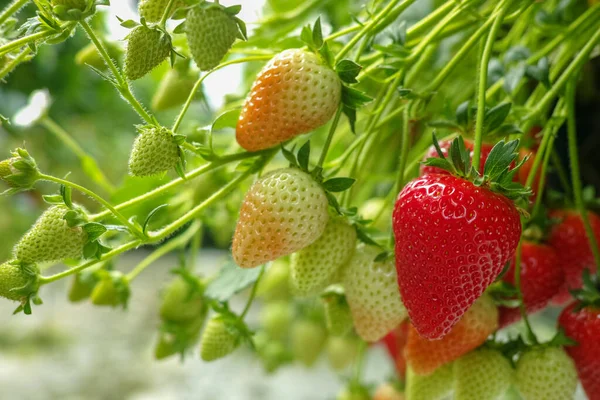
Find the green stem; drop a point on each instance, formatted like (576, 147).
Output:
(133, 228)
(167, 13)
(571, 70)
(483, 71)
(14, 63)
(193, 213)
(106, 256)
(575, 173)
(190, 98)
(522, 310)
(360, 360)
(371, 25)
(121, 83)
(12, 9)
(163, 250)
(91, 165)
(34, 37)
(194, 249)
(537, 207)
(404, 148)
(252, 293)
(224, 160)
(425, 25)
(562, 173)
(332, 130)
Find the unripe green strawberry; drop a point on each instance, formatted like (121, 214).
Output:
(372, 293)
(19, 172)
(219, 339)
(154, 151)
(338, 317)
(18, 281)
(181, 301)
(481, 375)
(89, 55)
(283, 212)
(147, 48)
(274, 285)
(112, 290)
(341, 351)
(178, 337)
(546, 373)
(153, 10)
(51, 239)
(210, 32)
(69, 4)
(272, 353)
(82, 286)
(435, 386)
(275, 318)
(174, 89)
(313, 267)
(307, 340)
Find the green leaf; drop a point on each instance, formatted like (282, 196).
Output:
(242, 28)
(304, 156)
(289, 156)
(129, 24)
(66, 194)
(233, 10)
(333, 202)
(354, 98)
(53, 199)
(348, 70)
(496, 116)
(462, 113)
(317, 34)
(516, 54)
(364, 237)
(513, 77)
(306, 36)
(94, 230)
(90, 250)
(228, 119)
(500, 158)
(445, 124)
(150, 215)
(350, 113)
(231, 280)
(336, 185)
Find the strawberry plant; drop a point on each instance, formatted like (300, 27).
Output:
(388, 171)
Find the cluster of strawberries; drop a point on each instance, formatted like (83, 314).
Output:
(456, 230)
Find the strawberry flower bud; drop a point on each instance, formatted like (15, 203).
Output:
(20, 172)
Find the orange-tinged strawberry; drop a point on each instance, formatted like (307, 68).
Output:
(372, 293)
(425, 356)
(295, 93)
(283, 212)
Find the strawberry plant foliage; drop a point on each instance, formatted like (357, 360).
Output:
(322, 175)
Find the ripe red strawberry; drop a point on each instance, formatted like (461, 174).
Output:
(583, 326)
(571, 243)
(483, 374)
(147, 48)
(372, 293)
(541, 278)
(546, 373)
(395, 341)
(435, 386)
(282, 213)
(486, 148)
(295, 93)
(453, 237)
(425, 356)
(313, 267)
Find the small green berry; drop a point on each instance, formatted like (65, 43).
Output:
(154, 151)
(18, 280)
(219, 339)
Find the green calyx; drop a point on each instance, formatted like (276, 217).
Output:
(497, 175)
(589, 294)
(73, 10)
(19, 172)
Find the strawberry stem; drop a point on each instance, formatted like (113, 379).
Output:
(501, 9)
(10, 66)
(522, 309)
(252, 293)
(332, 130)
(167, 13)
(121, 83)
(165, 249)
(196, 87)
(12, 9)
(91, 165)
(575, 173)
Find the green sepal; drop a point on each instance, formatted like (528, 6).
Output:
(589, 294)
(20, 172)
